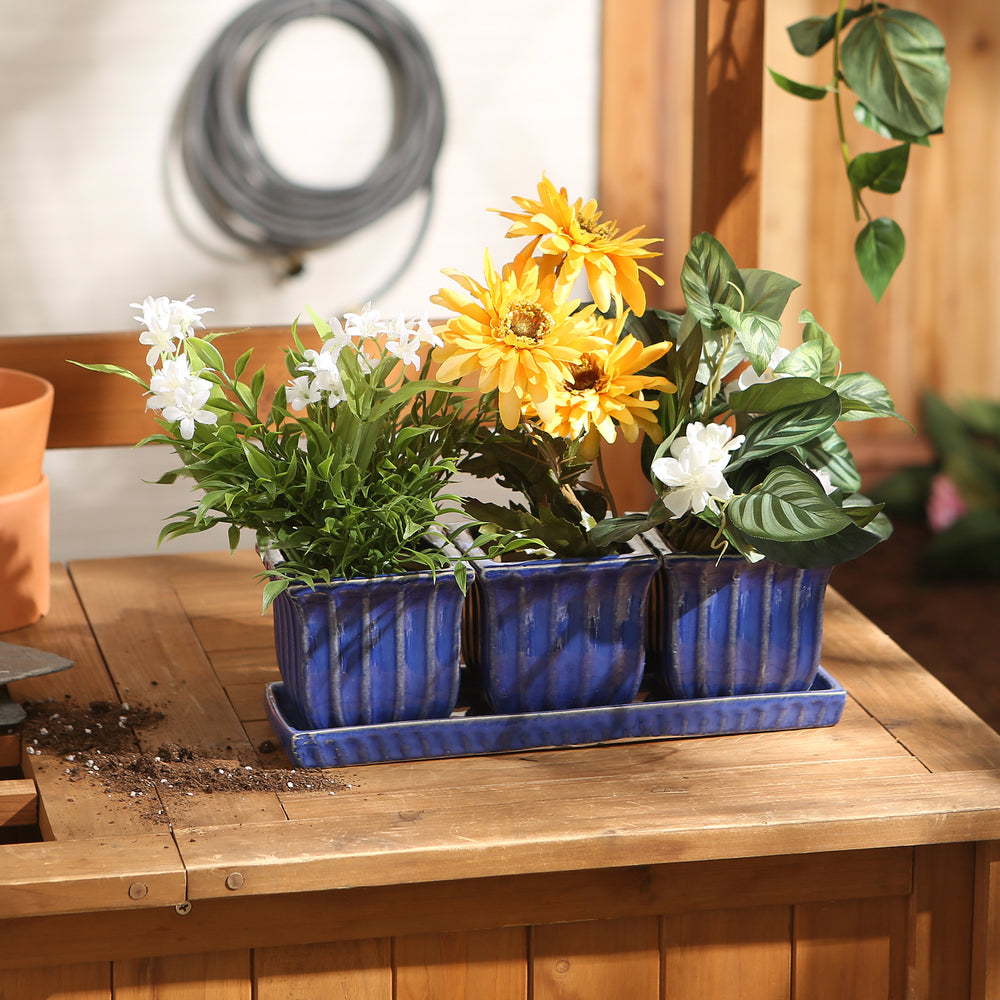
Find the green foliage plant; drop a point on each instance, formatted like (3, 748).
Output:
(751, 460)
(894, 63)
(343, 471)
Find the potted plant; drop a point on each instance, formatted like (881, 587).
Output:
(341, 477)
(559, 620)
(757, 491)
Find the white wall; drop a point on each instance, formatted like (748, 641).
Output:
(87, 91)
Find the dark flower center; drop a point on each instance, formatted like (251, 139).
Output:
(527, 323)
(587, 375)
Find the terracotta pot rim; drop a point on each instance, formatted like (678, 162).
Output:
(43, 385)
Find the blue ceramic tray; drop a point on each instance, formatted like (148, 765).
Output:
(462, 736)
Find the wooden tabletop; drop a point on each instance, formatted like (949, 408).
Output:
(907, 765)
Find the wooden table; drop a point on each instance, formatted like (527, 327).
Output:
(860, 861)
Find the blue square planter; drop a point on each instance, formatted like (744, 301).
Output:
(368, 651)
(724, 626)
(556, 634)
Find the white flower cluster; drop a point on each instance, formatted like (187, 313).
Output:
(323, 379)
(177, 392)
(693, 473)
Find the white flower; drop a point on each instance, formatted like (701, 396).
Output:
(749, 377)
(175, 377)
(824, 480)
(160, 332)
(716, 440)
(364, 325)
(404, 342)
(426, 332)
(187, 408)
(694, 481)
(326, 378)
(185, 317)
(301, 393)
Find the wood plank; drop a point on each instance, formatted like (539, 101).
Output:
(856, 738)
(18, 803)
(91, 409)
(352, 970)
(851, 949)
(728, 105)
(721, 954)
(240, 921)
(70, 877)
(156, 659)
(86, 981)
(986, 929)
(463, 965)
(66, 811)
(930, 721)
(610, 828)
(223, 975)
(940, 919)
(610, 959)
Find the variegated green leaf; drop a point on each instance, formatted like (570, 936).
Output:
(787, 427)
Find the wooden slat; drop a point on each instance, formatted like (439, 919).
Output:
(728, 103)
(853, 949)
(92, 409)
(155, 657)
(18, 803)
(67, 810)
(935, 726)
(221, 975)
(940, 919)
(986, 934)
(631, 824)
(90, 875)
(355, 970)
(462, 965)
(241, 921)
(610, 959)
(86, 981)
(722, 954)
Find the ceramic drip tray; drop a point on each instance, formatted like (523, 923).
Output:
(471, 733)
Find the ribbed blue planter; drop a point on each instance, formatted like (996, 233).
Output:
(725, 626)
(557, 634)
(362, 652)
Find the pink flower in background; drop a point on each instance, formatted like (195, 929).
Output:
(945, 505)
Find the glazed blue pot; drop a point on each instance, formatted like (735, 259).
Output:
(556, 634)
(368, 651)
(729, 627)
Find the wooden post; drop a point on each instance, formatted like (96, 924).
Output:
(728, 104)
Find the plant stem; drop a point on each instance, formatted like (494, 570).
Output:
(856, 203)
(604, 484)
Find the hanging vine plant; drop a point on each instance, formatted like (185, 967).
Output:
(893, 61)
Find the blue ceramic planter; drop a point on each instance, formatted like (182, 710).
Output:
(559, 634)
(363, 652)
(730, 627)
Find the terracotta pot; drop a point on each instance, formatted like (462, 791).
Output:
(25, 411)
(24, 556)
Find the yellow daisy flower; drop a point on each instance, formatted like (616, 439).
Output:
(516, 333)
(604, 392)
(576, 233)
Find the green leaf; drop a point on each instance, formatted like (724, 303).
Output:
(863, 396)
(615, 530)
(811, 34)
(805, 361)
(879, 250)
(882, 171)
(766, 292)
(813, 332)
(829, 452)
(785, 428)
(757, 334)
(788, 505)
(863, 116)
(843, 546)
(204, 354)
(766, 397)
(112, 370)
(709, 277)
(894, 61)
(805, 90)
